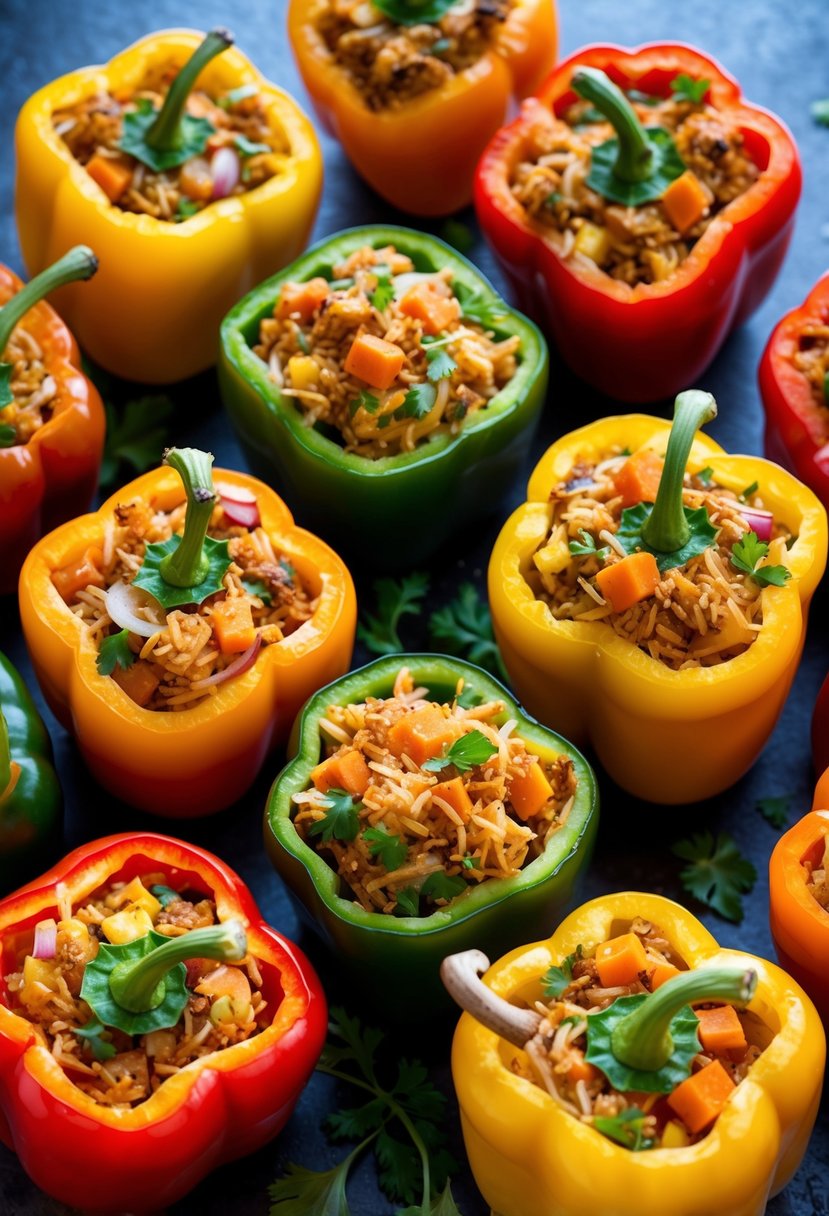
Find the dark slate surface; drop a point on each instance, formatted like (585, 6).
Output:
(780, 55)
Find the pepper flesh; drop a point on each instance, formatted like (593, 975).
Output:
(587, 682)
(202, 759)
(647, 342)
(530, 1157)
(155, 275)
(221, 1107)
(799, 924)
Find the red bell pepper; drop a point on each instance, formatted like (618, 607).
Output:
(220, 1107)
(650, 341)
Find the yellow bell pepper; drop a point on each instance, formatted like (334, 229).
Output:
(530, 1157)
(666, 736)
(153, 311)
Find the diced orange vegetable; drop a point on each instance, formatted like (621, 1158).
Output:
(113, 176)
(620, 960)
(139, 682)
(232, 622)
(421, 734)
(699, 1099)
(455, 794)
(432, 307)
(301, 299)
(195, 179)
(528, 793)
(660, 972)
(83, 572)
(226, 981)
(685, 201)
(347, 771)
(638, 478)
(580, 1070)
(374, 360)
(720, 1030)
(627, 582)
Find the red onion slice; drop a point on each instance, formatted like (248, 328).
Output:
(759, 522)
(46, 939)
(125, 603)
(225, 171)
(241, 513)
(236, 668)
(234, 493)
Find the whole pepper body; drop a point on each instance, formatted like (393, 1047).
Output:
(799, 924)
(647, 342)
(154, 309)
(530, 1157)
(221, 1107)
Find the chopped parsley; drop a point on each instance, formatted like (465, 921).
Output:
(704, 475)
(247, 147)
(686, 88)
(440, 886)
(8, 436)
(465, 753)
(164, 895)
(408, 901)
(586, 547)
(775, 810)
(392, 850)
(185, 208)
(418, 402)
(463, 627)
(396, 598)
(341, 819)
(366, 401)
(255, 586)
(115, 652)
(234, 96)
(556, 979)
(745, 555)
(746, 494)
(383, 293)
(717, 874)
(626, 1128)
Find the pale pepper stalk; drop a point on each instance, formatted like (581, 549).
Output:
(79, 263)
(166, 134)
(667, 528)
(634, 160)
(188, 565)
(139, 986)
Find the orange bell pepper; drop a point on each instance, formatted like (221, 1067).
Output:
(799, 924)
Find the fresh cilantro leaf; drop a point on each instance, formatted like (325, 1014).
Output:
(357, 1121)
(471, 863)
(398, 1167)
(626, 1128)
(93, 1032)
(668, 165)
(556, 979)
(408, 901)
(135, 436)
(488, 311)
(587, 547)
(820, 111)
(745, 555)
(6, 394)
(341, 820)
(686, 88)
(414, 12)
(746, 494)
(704, 475)
(441, 886)
(383, 293)
(396, 598)
(440, 363)
(467, 698)
(234, 96)
(465, 753)
(629, 535)
(718, 873)
(149, 577)
(164, 895)
(248, 147)
(463, 627)
(441, 1205)
(439, 48)
(114, 652)
(255, 586)
(418, 401)
(358, 1044)
(185, 208)
(304, 1192)
(775, 810)
(341, 284)
(553, 199)
(643, 99)
(455, 232)
(366, 401)
(8, 436)
(194, 134)
(392, 850)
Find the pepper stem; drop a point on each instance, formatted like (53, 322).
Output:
(643, 1040)
(166, 135)
(634, 160)
(79, 263)
(139, 986)
(667, 529)
(188, 565)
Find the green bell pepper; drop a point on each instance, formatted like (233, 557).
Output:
(397, 959)
(31, 806)
(398, 509)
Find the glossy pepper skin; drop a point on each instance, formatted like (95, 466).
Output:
(202, 759)
(640, 344)
(799, 924)
(54, 475)
(153, 311)
(421, 155)
(584, 680)
(220, 1108)
(820, 736)
(530, 1157)
(402, 506)
(31, 806)
(398, 958)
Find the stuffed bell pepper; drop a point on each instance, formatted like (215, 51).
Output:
(386, 387)
(629, 1064)
(413, 92)
(642, 208)
(152, 1025)
(177, 631)
(51, 416)
(190, 174)
(424, 811)
(651, 596)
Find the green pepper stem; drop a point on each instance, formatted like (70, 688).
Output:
(79, 263)
(643, 1040)
(166, 135)
(187, 566)
(139, 986)
(5, 756)
(634, 160)
(667, 529)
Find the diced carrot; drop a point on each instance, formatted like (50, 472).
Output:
(659, 973)
(421, 734)
(113, 176)
(455, 794)
(620, 960)
(720, 1030)
(347, 771)
(579, 1070)
(83, 572)
(139, 682)
(699, 1099)
(302, 299)
(627, 582)
(226, 981)
(232, 622)
(685, 201)
(374, 360)
(638, 478)
(528, 792)
(195, 179)
(433, 308)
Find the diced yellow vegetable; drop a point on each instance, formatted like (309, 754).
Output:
(40, 971)
(674, 1136)
(593, 241)
(303, 371)
(554, 557)
(126, 926)
(135, 893)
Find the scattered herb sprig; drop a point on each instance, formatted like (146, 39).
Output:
(717, 874)
(775, 810)
(463, 627)
(135, 435)
(465, 753)
(396, 598)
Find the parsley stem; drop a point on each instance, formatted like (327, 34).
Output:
(642, 1040)
(667, 528)
(188, 564)
(166, 134)
(634, 159)
(79, 263)
(138, 986)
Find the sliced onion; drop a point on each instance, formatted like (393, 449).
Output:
(236, 668)
(241, 513)
(46, 939)
(124, 602)
(225, 171)
(402, 282)
(759, 522)
(234, 493)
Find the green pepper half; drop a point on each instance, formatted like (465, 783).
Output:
(398, 509)
(396, 959)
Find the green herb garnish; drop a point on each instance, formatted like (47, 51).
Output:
(468, 752)
(463, 627)
(392, 850)
(418, 401)
(396, 598)
(686, 88)
(626, 1128)
(704, 475)
(718, 874)
(383, 293)
(775, 810)
(586, 547)
(8, 435)
(440, 362)
(186, 208)
(164, 895)
(114, 652)
(234, 96)
(441, 886)
(414, 12)
(248, 147)
(366, 401)
(341, 820)
(135, 435)
(255, 586)
(93, 1032)
(475, 306)
(408, 900)
(745, 555)
(471, 863)
(457, 234)
(556, 979)
(746, 494)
